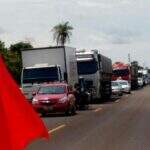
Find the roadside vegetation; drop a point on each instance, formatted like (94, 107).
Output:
(12, 56)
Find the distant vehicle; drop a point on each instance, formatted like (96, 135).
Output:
(96, 70)
(140, 82)
(134, 75)
(116, 88)
(122, 71)
(56, 97)
(146, 76)
(126, 87)
(140, 78)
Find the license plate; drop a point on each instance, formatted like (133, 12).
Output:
(46, 102)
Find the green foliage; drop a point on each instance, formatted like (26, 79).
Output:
(13, 57)
(4, 52)
(62, 33)
(3, 49)
(18, 46)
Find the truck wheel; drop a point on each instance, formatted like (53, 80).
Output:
(120, 94)
(43, 114)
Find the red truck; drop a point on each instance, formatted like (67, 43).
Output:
(126, 72)
(121, 71)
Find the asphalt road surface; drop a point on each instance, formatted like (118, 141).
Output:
(123, 124)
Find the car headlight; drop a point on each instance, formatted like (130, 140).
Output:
(63, 100)
(35, 101)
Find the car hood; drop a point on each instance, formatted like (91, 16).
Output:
(125, 86)
(44, 97)
(115, 88)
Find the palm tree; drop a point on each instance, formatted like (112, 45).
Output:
(62, 33)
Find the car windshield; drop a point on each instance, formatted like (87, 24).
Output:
(123, 83)
(114, 84)
(30, 88)
(52, 90)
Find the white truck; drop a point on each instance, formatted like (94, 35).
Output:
(96, 70)
(49, 64)
(146, 77)
(143, 77)
(140, 78)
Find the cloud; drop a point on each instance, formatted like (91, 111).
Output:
(2, 31)
(114, 25)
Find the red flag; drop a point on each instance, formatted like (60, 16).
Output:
(19, 123)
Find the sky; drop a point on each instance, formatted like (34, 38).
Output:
(115, 27)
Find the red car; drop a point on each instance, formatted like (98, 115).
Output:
(55, 97)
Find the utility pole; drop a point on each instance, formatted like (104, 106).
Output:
(129, 58)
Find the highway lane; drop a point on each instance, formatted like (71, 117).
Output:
(123, 124)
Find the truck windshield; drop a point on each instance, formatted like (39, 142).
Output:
(87, 67)
(119, 73)
(38, 75)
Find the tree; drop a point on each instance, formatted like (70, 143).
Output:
(20, 45)
(4, 52)
(62, 33)
(3, 49)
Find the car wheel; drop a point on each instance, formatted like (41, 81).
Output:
(120, 94)
(129, 92)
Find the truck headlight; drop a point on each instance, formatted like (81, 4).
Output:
(63, 100)
(35, 101)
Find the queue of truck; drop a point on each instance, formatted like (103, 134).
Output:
(53, 77)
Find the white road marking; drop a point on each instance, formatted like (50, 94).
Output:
(57, 128)
(117, 101)
(98, 109)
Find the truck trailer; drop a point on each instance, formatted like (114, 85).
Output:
(134, 75)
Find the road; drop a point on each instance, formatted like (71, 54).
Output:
(120, 125)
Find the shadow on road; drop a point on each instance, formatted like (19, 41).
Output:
(105, 101)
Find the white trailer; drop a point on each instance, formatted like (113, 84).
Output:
(61, 59)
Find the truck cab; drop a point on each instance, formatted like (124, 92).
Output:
(88, 68)
(33, 76)
(96, 70)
